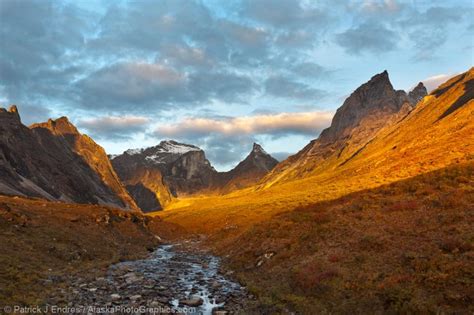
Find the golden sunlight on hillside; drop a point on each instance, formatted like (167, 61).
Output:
(437, 133)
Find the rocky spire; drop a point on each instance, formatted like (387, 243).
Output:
(257, 148)
(417, 93)
(375, 97)
(11, 114)
(60, 126)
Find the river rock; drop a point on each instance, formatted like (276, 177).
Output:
(115, 297)
(193, 302)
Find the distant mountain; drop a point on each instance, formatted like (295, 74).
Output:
(248, 172)
(371, 107)
(54, 161)
(155, 175)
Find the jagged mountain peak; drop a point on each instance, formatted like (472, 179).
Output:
(417, 93)
(11, 114)
(258, 158)
(171, 146)
(13, 109)
(257, 148)
(48, 161)
(382, 76)
(376, 97)
(164, 147)
(61, 125)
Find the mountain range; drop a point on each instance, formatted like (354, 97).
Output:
(156, 175)
(53, 160)
(378, 136)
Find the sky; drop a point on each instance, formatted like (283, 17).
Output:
(218, 74)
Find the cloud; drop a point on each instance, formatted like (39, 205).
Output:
(38, 50)
(368, 37)
(382, 26)
(275, 125)
(227, 140)
(153, 87)
(433, 82)
(171, 58)
(288, 14)
(428, 30)
(377, 7)
(115, 128)
(280, 156)
(310, 70)
(33, 113)
(226, 151)
(283, 87)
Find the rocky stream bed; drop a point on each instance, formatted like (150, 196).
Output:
(170, 280)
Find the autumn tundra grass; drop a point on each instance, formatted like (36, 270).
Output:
(406, 247)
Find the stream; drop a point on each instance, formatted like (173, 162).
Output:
(168, 281)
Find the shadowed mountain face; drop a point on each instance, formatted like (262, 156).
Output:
(168, 170)
(248, 172)
(371, 107)
(54, 161)
(173, 169)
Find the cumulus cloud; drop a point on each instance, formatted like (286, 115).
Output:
(165, 58)
(283, 87)
(433, 82)
(368, 37)
(375, 6)
(284, 13)
(280, 156)
(381, 26)
(275, 125)
(31, 113)
(139, 86)
(115, 128)
(227, 140)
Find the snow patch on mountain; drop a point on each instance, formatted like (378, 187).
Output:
(175, 147)
(134, 151)
(258, 149)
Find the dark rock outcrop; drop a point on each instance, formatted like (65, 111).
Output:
(253, 168)
(417, 93)
(168, 169)
(377, 97)
(54, 161)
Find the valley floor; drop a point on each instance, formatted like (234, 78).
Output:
(406, 247)
(403, 247)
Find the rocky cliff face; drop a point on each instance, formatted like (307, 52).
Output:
(417, 93)
(93, 154)
(376, 98)
(51, 161)
(155, 175)
(371, 107)
(166, 170)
